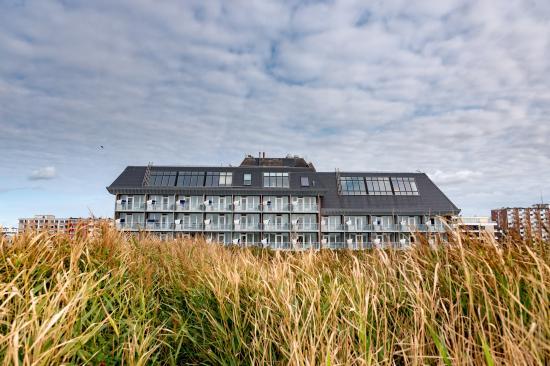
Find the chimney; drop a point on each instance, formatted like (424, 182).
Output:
(263, 155)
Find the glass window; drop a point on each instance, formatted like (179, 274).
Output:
(276, 180)
(304, 181)
(379, 186)
(404, 186)
(215, 179)
(162, 178)
(352, 186)
(247, 179)
(191, 179)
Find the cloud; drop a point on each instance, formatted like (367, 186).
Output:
(45, 173)
(460, 89)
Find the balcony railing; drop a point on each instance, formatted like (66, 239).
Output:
(304, 208)
(130, 207)
(276, 208)
(247, 227)
(160, 207)
(305, 227)
(129, 226)
(332, 227)
(217, 227)
(188, 207)
(276, 227)
(217, 208)
(188, 227)
(159, 225)
(247, 208)
(364, 245)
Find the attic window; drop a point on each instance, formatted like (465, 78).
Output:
(404, 186)
(162, 178)
(247, 178)
(304, 181)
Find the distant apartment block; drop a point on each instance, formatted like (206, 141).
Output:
(531, 222)
(281, 203)
(52, 224)
(475, 227)
(8, 232)
(528, 222)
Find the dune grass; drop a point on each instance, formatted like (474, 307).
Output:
(114, 299)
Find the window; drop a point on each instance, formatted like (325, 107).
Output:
(304, 181)
(247, 179)
(215, 179)
(404, 186)
(226, 178)
(276, 180)
(352, 186)
(191, 179)
(162, 178)
(379, 186)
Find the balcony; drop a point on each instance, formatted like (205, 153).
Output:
(358, 228)
(385, 228)
(129, 226)
(247, 208)
(304, 208)
(130, 207)
(159, 207)
(188, 227)
(332, 227)
(217, 227)
(186, 207)
(247, 227)
(305, 227)
(276, 227)
(276, 208)
(159, 226)
(217, 208)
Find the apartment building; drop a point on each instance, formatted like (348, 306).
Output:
(52, 224)
(8, 232)
(281, 203)
(528, 222)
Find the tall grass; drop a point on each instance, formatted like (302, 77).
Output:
(113, 299)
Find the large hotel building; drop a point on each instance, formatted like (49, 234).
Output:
(281, 203)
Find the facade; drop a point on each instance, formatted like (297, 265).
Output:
(8, 232)
(474, 226)
(281, 203)
(52, 224)
(532, 222)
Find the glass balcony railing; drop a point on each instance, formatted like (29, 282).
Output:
(218, 227)
(188, 227)
(304, 207)
(130, 207)
(160, 207)
(276, 208)
(159, 225)
(129, 226)
(217, 208)
(246, 227)
(247, 208)
(305, 227)
(332, 227)
(276, 227)
(188, 207)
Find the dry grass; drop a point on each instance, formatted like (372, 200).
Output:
(118, 300)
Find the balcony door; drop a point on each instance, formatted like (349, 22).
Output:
(279, 202)
(130, 203)
(164, 221)
(279, 241)
(165, 203)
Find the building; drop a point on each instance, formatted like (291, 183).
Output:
(51, 224)
(532, 222)
(477, 227)
(8, 232)
(282, 203)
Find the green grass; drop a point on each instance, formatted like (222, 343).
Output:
(114, 299)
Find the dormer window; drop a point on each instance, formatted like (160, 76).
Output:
(247, 179)
(304, 181)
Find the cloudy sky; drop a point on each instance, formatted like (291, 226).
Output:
(457, 89)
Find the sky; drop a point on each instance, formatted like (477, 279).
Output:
(457, 89)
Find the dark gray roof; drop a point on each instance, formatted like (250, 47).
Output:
(431, 200)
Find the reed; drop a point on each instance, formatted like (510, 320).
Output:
(115, 299)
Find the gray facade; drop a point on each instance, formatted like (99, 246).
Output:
(282, 203)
